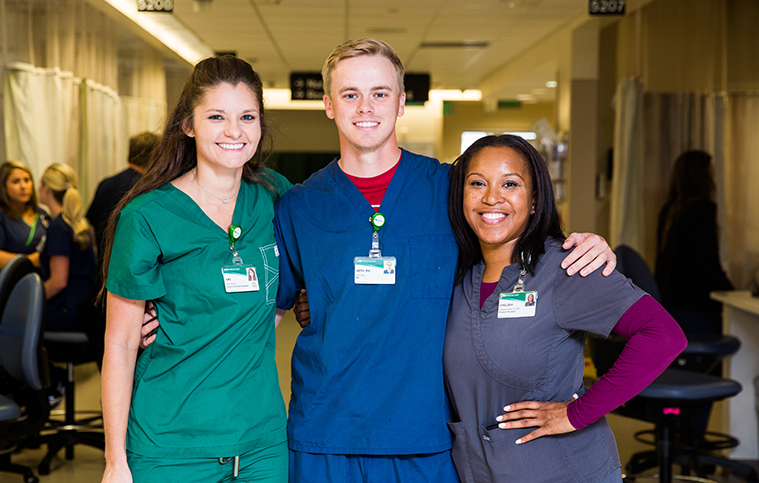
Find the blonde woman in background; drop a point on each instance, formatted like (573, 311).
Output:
(23, 224)
(67, 263)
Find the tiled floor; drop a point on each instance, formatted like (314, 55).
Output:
(87, 467)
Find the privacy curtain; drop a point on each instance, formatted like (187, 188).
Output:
(62, 70)
(652, 130)
(741, 189)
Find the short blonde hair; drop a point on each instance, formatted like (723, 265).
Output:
(356, 48)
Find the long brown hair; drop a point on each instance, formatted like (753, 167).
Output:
(6, 205)
(692, 179)
(176, 154)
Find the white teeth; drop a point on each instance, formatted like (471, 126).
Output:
(367, 124)
(231, 146)
(493, 216)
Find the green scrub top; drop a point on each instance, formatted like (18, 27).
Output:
(208, 385)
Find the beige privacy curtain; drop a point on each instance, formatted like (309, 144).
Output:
(53, 117)
(627, 223)
(41, 108)
(651, 131)
(742, 189)
(61, 73)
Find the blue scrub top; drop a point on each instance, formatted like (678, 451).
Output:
(367, 372)
(15, 234)
(62, 311)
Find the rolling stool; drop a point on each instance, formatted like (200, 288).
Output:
(70, 348)
(671, 402)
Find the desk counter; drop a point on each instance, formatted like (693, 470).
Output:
(741, 319)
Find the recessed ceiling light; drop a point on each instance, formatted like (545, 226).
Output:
(552, 84)
(465, 44)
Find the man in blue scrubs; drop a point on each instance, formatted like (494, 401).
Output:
(368, 401)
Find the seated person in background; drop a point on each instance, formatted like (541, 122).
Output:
(111, 190)
(68, 261)
(23, 224)
(687, 263)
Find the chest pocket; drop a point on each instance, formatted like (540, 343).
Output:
(270, 255)
(433, 265)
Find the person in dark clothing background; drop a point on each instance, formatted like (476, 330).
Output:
(687, 263)
(108, 194)
(111, 190)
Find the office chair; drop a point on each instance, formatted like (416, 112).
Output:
(11, 273)
(71, 348)
(23, 358)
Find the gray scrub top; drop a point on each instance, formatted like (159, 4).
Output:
(491, 362)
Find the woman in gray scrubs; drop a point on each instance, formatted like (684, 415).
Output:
(513, 356)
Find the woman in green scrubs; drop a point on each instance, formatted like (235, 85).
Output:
(203, 402)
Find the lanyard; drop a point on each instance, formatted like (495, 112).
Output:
(33, 230)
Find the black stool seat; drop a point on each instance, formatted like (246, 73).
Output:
(716, 346)
(66, 337)
(679, 385)
(8, 409)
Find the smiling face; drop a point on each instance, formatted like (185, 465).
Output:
(19, 187)
(498, 198)
(226, 126)
(365, 102)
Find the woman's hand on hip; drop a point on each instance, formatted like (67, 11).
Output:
(548, 416)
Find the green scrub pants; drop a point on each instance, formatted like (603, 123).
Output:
(265, 465)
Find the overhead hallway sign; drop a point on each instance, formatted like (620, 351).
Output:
(155, 5)
(606, 7)
(308, 86)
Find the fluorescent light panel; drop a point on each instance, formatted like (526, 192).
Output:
(280, 98)
(167, 29)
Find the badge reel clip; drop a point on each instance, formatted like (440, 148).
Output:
(238, 277)
(374, 269)
(518, 303)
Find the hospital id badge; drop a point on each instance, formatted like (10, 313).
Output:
(517, 304)
(240, 278)
(374, 271)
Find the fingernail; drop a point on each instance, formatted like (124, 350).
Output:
(506, 408)
(570, 272)
(584, 273)
(502, 426)
(499, 418)
(519, 441)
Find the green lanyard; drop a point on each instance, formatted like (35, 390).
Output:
(34, 229)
